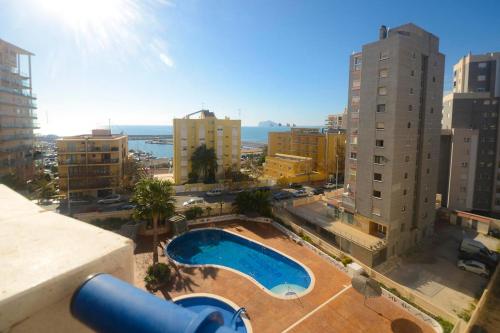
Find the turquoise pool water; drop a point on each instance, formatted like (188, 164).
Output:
(277, 273)
(229, 315)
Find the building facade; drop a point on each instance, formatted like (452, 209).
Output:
(17, 112)
(335, 121)
(291, 167)
(326, 148)
(223, 135)
(471, 115)
(91, 165)
(395, 95)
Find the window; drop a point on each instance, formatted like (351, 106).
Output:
(426, 200)
(466, 139)
(383, 73)
(486, 102)
(410, 107)
(412, 73)
(379, 125)
(433, 79)
(384, 55)
(379, 143)
(432, 110)
(464, 164)
(380, 107)
(382, 91)
(428, 156)
(482, 65)
(404, 192)
(427, 171)
(407, 158)
(357, 63)
(481, 78)
(411, 91)
(356, 83)
(403, 208)
(377, 194)
(408, 125)
(354, 155)
(377, 159)
(406, 176)
(377, 177)
(402, 227)
(376, 211)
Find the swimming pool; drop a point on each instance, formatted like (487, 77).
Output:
(277, 273)
(230, 312)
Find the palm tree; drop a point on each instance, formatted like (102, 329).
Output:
(154, 201)
(204, 163)
(253, 202)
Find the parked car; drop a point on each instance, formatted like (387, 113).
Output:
(262, 188)
(475, 250)
(300, 193)
(329, 186)
(474, 267)
(295, 185)
(214, 193)
(236, 191)
(317, 191)
(193, 202)
(110, 199)
(126, 207)
(282, 196)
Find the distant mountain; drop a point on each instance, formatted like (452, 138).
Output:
(268, 123)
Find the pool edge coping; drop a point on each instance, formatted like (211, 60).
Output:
(268, 291)
(232, 304)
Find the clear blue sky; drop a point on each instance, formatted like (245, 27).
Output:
(148, 61)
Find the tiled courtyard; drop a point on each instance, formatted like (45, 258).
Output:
(332, 305)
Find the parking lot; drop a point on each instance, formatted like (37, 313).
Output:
(432, 270)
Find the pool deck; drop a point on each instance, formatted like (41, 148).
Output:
(332, 305)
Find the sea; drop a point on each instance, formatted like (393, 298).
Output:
(254, 134)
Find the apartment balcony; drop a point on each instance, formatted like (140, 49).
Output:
(21, 82)
(16, 149)
(13, 70)
(7, 138)
(89, 185)
(71, 151)
(11, 114)
(102, 150)
(88, 175)
(27, 103)
(34, 125)
(19, 92)
(89, 162)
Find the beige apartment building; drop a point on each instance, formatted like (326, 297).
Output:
(325, 148)
(91, 165)
(293, 168)
(469, 178)
(223, 135)
(393, 129)
(17, 112)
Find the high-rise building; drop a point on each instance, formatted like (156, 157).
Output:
(91, 165)
(17, 112)
(393, 130)
(223, 135)
(335, 121)
(326, 148)
(470, 180)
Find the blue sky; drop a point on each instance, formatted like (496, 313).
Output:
(148, 61)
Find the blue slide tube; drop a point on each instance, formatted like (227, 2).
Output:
(109, 305)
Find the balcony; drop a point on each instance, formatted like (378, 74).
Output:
(89, 162)
(16, 80)
(25, 114)
(91, 185)
(28, 103)
(19, 92)
(7, 138)
(34, 125)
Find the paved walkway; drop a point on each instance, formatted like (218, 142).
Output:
(332, 306)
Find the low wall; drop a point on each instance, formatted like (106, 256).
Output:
(306, 200)
(229, 217)
(88, 217)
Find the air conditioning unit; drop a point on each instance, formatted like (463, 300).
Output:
(341, 209)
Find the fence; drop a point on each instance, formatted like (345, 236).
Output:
(225, 218)
(91, 216)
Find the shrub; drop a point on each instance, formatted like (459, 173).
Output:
(346, 261)
(193, 212)
(157, 275)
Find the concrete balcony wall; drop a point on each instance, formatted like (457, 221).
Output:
(45, 257)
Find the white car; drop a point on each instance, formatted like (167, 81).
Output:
(300, 193)
(114, 198)
(214, 193)
(474, 267)
(193, 202)
(329, 186)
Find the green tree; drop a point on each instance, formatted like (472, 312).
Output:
(44, 189)
(204, 163)
(253, 202)
(154, 201)
(132, 172)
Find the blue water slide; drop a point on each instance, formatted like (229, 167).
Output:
(109, 305)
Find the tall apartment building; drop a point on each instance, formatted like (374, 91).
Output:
(325, 148)
(335, 121)
(17, 112)
(92, 164)
(223, 135)
(470, 180)
(395, 94)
